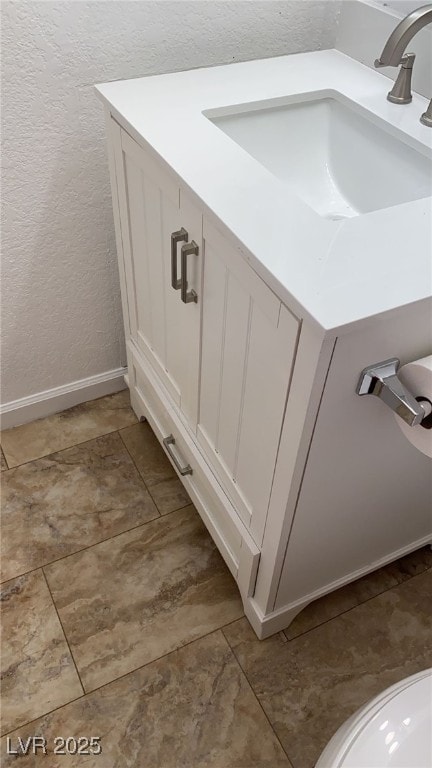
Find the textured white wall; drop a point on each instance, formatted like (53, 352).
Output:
(402, 7)
(61, 306)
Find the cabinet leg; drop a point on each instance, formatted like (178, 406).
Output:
(137, 406)
(265, 626)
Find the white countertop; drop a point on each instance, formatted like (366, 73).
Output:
(334, 272)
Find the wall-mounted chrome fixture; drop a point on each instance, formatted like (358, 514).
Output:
(394, 55)
(381, 380)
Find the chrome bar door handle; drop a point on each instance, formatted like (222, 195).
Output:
(381, 380)
(176, 237)
(187, 250)
(169, 443)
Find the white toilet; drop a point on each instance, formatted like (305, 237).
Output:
(394, 730)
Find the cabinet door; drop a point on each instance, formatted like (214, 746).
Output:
(248, 347)
(165, 329)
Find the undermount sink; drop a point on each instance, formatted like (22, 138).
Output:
(338, 161)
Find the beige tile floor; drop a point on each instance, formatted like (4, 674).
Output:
(121, 621)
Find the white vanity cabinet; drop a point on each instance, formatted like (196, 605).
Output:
(200, 369)
(248, 319)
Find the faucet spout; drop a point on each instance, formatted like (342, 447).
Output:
(402, 34)
(394, 54)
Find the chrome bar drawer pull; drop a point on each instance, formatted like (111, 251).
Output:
(187, 250)
(169, 443)
(176, 237)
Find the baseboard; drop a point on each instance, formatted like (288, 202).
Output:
(51, 401)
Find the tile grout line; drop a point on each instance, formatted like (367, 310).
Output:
(159, 658)
(174, 650)
(90, 546)
(42, 568)
(65, 635)
(357, 605)
(133, 528)
(5, 460)
(120, 677)
(164, 514)
(291, 764)
(131, 457)
(77, 551)
(167, 514)
(302, 634)
(73, 445)
(45, 714)
(149, 487)
(136, 465)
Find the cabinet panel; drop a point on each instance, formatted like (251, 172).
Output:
(148, 288)
(160, 215)
(269, 361)
(233, 371)
(165, 329)
(215, 289)
(187, 334)
(366, 492)
(248, 347)
(150, 214)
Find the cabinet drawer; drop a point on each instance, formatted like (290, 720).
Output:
(231, 537)
(145, 402)
(207, 496)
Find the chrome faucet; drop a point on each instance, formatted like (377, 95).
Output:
(394, 54)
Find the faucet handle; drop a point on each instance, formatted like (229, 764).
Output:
(401, 91)
(426, 117)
